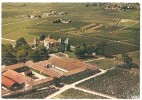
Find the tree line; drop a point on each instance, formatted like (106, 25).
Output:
(21, 52)
(87, 50)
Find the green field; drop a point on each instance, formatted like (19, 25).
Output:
(77, 94)
(117, 82)
(104, 63)
(15, 26)
(108, 63)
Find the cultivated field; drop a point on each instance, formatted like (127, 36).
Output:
(117, 82)
(77, 94)
(103, 28)
(106, 63)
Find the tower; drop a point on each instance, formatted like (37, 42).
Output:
(67, 44)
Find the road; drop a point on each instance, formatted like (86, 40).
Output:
(95, 93)
(66, 87)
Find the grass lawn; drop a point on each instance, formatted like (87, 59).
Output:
(117, 82)
(77, 94)
(71, 54)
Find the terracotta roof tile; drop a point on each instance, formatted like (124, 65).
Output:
(41, 67)
(17, 77)
(15, 66)
(7, 82)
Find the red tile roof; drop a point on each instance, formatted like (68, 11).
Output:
(15, 66)
(41, 67)
(74, 71)
(7, 82)
(17, 77)
(67, 63)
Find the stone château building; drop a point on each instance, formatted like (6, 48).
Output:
(59, 45)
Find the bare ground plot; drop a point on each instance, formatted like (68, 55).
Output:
(117, 82)
(77, 94)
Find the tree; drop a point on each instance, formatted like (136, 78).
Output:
(22, 52)
(128, 60)
(62, 47)
(100, 48)
(8, 55)
(20, 42)
(56, 81)
(42, 37)
(90, 49)
(80, 51)
(39, 54)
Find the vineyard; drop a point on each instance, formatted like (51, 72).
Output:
(77, 94)
(39, 94)
(117, 82)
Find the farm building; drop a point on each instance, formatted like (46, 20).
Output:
(21, 79)
(68, 64)
(10, 84)
(58, 67)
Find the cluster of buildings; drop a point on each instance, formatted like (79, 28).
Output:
(54, 13)
(34, 75)
(65, 21)
(51, 13)
(59, 45)
(33, 16)
(118, 7)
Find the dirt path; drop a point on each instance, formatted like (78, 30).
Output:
(66, 87)
(95, 93)
(94, 59)
(8, 39)
(124, 27)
